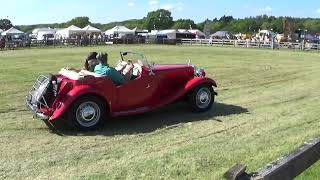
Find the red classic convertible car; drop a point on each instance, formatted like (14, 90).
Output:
(86, 100)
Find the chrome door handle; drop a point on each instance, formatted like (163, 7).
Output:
(148, 86)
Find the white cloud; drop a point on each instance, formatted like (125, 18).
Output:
(173, 7)
(154, 5)
(167, 6)
(131, 4)
(153, 8)
(265, 9)
(318, 11)
(180, 8)
(153, 2)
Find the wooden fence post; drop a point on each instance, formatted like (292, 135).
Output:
(285, 168)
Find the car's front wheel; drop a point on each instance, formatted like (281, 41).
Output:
(87, 113)
(201, 98)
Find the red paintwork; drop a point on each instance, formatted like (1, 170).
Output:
(145, 93)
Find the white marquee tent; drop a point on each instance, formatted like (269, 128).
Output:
(12, 31)
(89, 29)
(69, 31)
(35, 31)
(153, 32)
(41, 33)
(221, 35)
(183, 31)
(198, 33)
(170, 33)
(264, 31)
(120, 30)
(143, 32)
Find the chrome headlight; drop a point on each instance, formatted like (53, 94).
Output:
(199, 72)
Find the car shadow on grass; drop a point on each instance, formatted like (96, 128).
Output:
(170, 116)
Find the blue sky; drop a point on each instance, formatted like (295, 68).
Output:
(103, 11)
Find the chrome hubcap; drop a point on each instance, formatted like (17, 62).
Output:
(88, 114)
(203, 98)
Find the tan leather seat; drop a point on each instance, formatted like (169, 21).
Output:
(74, 75)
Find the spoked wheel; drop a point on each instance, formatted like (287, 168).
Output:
(201, 98)
(88, 113)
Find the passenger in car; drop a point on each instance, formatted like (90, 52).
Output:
(91, 61)
(127, 70)
(104, 69)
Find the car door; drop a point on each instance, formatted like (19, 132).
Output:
(137, 93)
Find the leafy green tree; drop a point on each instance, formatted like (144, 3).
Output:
(312, 25)
(132, 23)
(28, 28)
(226, 19)
(160, 19)
(5, 24)
(79, 21)
(219, 26)
(201, 24)
(184, 24)
(207, 28)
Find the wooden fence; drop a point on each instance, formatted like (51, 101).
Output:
(205, 42)
(250, 44)
(284, 168)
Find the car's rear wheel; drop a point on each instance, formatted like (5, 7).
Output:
(201, 98)
(88, 113)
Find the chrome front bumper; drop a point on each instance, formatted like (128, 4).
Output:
(35, 100)
(35, 111)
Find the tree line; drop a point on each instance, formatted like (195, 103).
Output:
(162, 19)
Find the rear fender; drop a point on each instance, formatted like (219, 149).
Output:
(63, 104)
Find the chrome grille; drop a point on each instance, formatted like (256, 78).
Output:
(36, 94)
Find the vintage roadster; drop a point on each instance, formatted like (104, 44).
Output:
(86, 100)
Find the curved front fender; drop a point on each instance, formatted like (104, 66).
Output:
(196, 81)
(66, 101)
(199, 80)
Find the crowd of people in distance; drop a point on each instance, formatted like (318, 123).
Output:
(2, 43)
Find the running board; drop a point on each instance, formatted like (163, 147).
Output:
(133, 111)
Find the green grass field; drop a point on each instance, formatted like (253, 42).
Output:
(268, 104)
